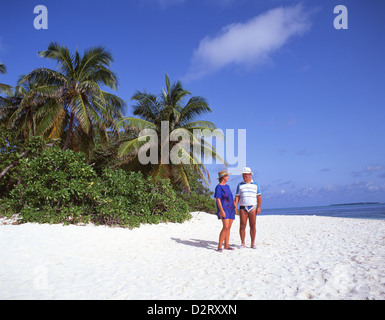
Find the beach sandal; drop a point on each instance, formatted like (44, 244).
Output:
(253, 246)
(242, 246)
(219, 250)
(229, 248)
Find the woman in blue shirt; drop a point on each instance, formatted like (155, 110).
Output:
(225, 208)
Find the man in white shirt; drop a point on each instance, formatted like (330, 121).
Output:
(248, 195)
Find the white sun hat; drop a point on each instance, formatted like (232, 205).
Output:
(246, 170)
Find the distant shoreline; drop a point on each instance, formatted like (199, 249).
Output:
(353, 204)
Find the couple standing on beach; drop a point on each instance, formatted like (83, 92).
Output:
(248, 195)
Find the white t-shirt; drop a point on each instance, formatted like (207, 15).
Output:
(248, 193)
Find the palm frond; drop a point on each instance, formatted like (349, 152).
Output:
(5, 88)
(148, 107)
(61, 55)
(201, 124)
(196, 106)
(136, 123)
(3, 68)
(44, 76)
(81, 112)
(52, 121)
(133, 146)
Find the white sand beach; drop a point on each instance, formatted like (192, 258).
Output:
(298, 257)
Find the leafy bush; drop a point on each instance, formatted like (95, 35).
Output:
(200, 198)
(130, 199)
(12, 149)
(199, 202)
(54, 187)
(59, 187)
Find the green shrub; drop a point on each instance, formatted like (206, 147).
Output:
(12, 150)
(199, 202)
(54, 187)
(131, 199)
(58, 186)
(200, 198)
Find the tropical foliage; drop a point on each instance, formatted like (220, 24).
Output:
(24, 108)
(58, 186)
(4, 87)
(170, 108)
(63, 137)
(69, 103)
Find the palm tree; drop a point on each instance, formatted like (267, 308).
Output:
(24, 109)
(4, 87)
(168, 108)
(85, 111)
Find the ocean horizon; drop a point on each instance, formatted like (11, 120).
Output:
(374, 211)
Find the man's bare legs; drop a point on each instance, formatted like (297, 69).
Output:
(253, 229)
(252, 217)
(242, 226)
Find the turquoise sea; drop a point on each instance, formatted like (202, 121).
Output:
(359, 211)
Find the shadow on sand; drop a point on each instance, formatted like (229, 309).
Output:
(199, 243)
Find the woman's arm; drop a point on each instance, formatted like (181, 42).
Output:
(236, 201)
(221, 211)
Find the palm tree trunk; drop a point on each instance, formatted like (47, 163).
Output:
(69, 132)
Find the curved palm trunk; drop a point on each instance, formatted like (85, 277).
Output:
(69, 134)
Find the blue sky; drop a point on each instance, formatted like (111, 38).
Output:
(310, 97)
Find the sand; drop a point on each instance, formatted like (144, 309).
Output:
(297, 257)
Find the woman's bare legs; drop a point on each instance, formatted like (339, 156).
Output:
(224, 236)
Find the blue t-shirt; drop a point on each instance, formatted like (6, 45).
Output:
(223, 192)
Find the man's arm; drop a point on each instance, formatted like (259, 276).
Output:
(259, 200)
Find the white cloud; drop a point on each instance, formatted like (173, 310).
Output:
(251, 42)
(358, 191)
(369, 170)
(374, 168)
